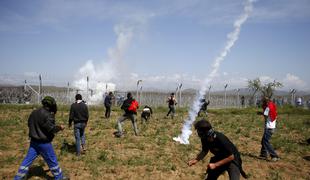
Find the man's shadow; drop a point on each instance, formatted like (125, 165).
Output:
(252, 156)
(39, 172)
(66, 147)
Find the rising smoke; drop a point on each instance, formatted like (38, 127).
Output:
(231, 39)
(101, 76)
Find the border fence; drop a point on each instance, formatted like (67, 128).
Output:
(230, 99)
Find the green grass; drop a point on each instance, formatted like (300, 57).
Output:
(153, 153)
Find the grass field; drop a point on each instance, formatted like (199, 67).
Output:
(153, 154)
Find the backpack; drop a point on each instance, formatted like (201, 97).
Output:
(133, 106)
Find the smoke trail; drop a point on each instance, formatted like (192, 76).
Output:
(101, 76)
(232, 38)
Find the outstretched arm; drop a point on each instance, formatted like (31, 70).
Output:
(199, 157)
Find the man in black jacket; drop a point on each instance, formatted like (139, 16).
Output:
(41, 124)
(204, 107)
(79, 115)
(108, 104)
(226, 155)
(146, 113)
(130, 106)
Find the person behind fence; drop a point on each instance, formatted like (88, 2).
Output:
(171, 104)
(242, 101)
(130, 106)
(79, 115)
(108, 104)
(146, 113)
(270, 117)
(226, 155)
(42, 129)
(204, 106)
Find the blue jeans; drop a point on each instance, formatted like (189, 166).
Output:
(266, 146)
(79, 133)
(47, 152)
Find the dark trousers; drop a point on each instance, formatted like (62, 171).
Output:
(107, 111)
(171, 110)
(231, 168)
(266, 146)
(145, 116)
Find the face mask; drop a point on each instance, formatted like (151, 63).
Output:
(204, 134)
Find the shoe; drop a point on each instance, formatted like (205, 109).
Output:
(118, 134)
(274, 159)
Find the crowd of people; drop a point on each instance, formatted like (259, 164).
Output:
(42, 129)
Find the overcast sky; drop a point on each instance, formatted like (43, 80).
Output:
(161, 42)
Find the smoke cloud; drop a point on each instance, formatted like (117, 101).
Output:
(101, 76)
(231, 39)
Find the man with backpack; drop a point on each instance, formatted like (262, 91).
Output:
(79, 115)
(171, 104)
(130, 106)
(42, 129)
(226, 155)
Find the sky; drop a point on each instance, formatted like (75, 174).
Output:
(163, 43)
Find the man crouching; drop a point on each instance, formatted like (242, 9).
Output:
(226, 156)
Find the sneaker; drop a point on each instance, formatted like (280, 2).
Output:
(118, 134)
(274, 159)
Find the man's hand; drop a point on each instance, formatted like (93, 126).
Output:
(212, 166)
(192, 162)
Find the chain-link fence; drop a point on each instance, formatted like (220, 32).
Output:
(23, 95)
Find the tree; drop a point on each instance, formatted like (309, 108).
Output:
(265, 89)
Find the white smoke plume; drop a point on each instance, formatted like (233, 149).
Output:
(232, 38)
(101, 76)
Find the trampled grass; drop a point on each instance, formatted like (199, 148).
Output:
(153, 154)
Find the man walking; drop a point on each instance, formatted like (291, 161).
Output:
(42, 128)
(79, 115)
(108, 104)
(130, 106)
(270, 117)
(226, 155)
(171, 104)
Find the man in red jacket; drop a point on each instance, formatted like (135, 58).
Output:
(270, 116)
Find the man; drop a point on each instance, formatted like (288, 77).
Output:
(42, 129)
(146, 113)
(226, 156)
(270, 117)
(79, 115)
(171, 104)
(108, 104)
(204, 107)
(130, 106)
